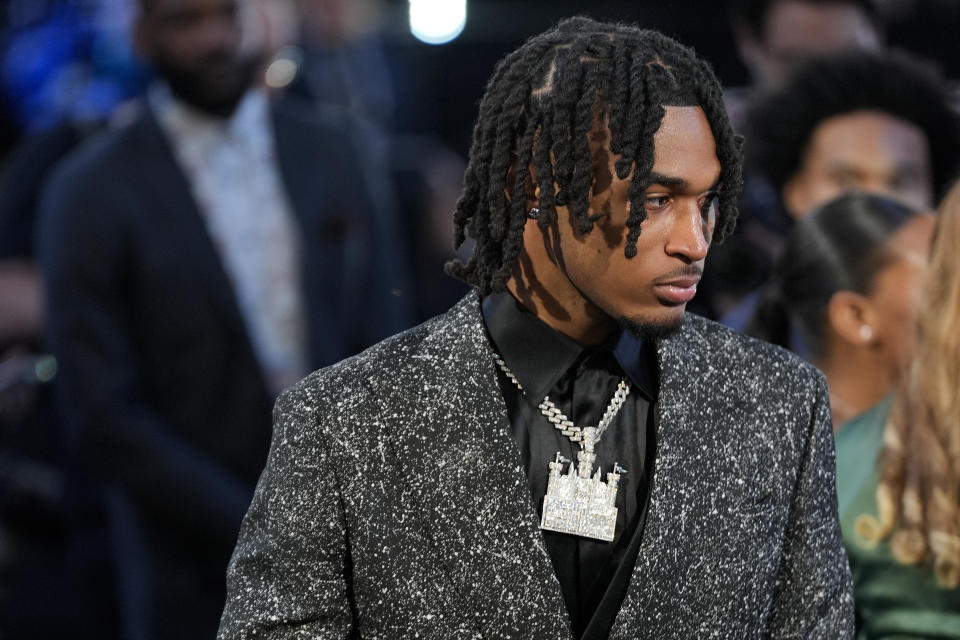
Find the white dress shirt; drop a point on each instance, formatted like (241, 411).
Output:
(232, 169)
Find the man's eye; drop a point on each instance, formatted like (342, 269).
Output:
(657, 202)
(846, 179)
(710, 205)
(904, 180)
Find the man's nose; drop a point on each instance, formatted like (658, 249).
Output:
(689, 235)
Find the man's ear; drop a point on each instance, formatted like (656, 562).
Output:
(532, 191)
(531, 188)
(853, 318)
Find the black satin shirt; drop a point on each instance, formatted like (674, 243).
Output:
(580, 381)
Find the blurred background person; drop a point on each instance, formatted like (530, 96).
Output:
(872, 122)
(875, 122)
(773, 35)
(66, 66)
(844, 295)
(345, 59)
(196, 261)
(898, 472)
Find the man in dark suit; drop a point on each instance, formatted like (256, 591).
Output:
(565, 453)
(196, 262)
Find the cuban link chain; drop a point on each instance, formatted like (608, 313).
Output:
(561, 422)
(579, 504)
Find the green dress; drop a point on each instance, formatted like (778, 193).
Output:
(892, 600)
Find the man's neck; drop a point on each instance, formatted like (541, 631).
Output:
(574, 317)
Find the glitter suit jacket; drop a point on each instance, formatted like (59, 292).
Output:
(394, 504)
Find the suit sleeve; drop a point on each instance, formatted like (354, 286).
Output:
(287, 576)
(84, 255)
(813, 596)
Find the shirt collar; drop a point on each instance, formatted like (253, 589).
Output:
(538, 355)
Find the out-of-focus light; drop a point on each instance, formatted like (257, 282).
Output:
(45, 368)
(437, 21)
(280, 73)
(284, 68)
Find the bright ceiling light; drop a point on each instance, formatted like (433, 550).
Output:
(437, 21)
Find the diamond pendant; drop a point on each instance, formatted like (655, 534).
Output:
(577, 503)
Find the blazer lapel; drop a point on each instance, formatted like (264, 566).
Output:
(708, 480)
(474, 488)
(168, 195)
(684, 375)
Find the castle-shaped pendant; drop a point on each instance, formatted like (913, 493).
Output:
(577, 503)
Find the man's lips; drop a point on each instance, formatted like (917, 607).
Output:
(677, 289)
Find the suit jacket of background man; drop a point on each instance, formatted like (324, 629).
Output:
(394, 503)
(158, 379)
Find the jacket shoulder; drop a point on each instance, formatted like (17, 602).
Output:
(351, 382)
(105, 156)
(87, 195)
(750, 358)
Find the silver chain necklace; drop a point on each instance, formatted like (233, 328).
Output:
(562, 423)
(575, 502)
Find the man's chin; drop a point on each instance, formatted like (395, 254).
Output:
(217, 94)
(646, 329)
(217, 105)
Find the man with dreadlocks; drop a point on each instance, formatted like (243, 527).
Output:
(565, 453)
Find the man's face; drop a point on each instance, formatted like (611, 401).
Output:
(795, 29)
(588, 274)
(862, 151)
(195, 46)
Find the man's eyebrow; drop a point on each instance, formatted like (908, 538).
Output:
(677, 182)
(667, 181)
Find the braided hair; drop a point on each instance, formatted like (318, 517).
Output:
(539, 108)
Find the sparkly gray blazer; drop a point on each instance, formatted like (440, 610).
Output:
(394, 504)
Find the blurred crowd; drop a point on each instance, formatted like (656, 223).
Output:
(203, 200)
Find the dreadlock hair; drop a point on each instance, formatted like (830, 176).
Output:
(782, 121)
(539, 108)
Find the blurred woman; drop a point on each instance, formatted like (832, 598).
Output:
(844, 295)
(898, 472)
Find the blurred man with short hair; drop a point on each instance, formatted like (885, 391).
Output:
(773, 35)
(198, 261)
